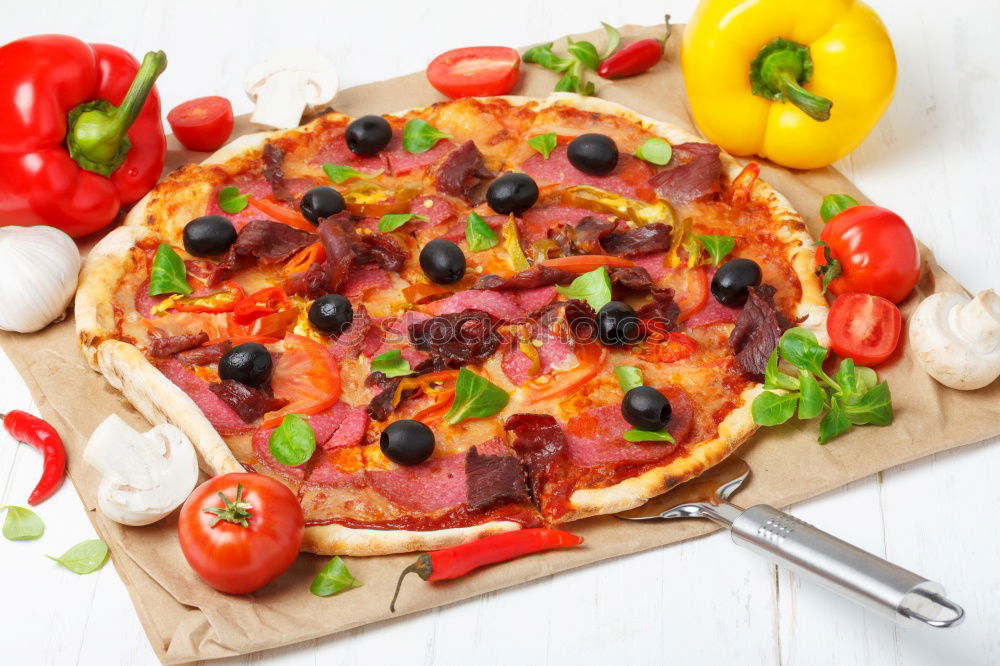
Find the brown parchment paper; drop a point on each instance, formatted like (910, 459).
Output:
(187, 621)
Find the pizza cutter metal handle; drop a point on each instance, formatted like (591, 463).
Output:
(846, 569)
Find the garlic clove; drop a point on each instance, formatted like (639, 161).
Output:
(43, 267)
(145, 476)
(957, 339)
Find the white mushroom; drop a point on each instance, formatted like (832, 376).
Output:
(957, 339)
(286, 83)
(145, 475)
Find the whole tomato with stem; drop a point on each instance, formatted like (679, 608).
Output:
(868, 250)
(240, 531)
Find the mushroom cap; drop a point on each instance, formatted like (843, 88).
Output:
(957, 339)
(315, 68)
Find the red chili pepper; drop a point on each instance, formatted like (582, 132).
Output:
(35, 432)
(260, 303)
(224, 300)
(634, 58)
(459, 560)
(80, 132)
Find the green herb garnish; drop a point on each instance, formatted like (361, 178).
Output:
(614, 39)
(475, 398)
(231, 201)
(85, 557)
(648, 436)
(478, 234)
(628, 377)
(342, 174)
(655, 151)
(169, 274)
(419, 136)
(543, 143)
(21, 524)
(717, 246)
(834, 204)
(391, 364)
(593, 287)
(293, 442)
(394, 221)
(333, 579)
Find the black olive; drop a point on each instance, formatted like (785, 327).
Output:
(512, 193)
(732, 281)
(331, 314)
(249, 363)
(320, 202)
(407, 442)
(367, 135)
(442, 261)
(646, 408)
(594, 154)
(618, 325)
(208, 236)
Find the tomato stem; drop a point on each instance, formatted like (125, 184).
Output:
(236, 512)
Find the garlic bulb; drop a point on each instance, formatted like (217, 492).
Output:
(42, 267)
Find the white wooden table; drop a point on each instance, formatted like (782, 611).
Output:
(933, 158)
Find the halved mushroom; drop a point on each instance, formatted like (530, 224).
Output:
(145, 475)
(285, 84)
(957, 339)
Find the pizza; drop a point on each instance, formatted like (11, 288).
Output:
(488, 314)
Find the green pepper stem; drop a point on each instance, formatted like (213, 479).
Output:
(814, 106)
(778, 72)
(97, 136)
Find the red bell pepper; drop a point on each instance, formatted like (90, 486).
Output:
(80, 132)
(264, 302)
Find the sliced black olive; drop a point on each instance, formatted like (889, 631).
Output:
(512, 193)
(249, 363)
(442, 261)
(320, 202)
(208, 236)
(407, 442)
(646, 408)
(618, 325)
(594, 154)
(367, 135)
(731, 283)
(331, 313)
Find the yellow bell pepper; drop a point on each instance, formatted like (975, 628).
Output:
(800, 83)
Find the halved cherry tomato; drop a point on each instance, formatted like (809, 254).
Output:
(591, 359)
(690, 290)
(280, 213)
(475, 71)
(202, 124)
(240, 544)
(264, 302)
(874, 253)
(584, 263)
(864, 327)
(307, 376)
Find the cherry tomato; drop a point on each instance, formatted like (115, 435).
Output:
(876, 252)
(475, 71)
(240, 545)
(690, 290)
(202, 124)
(307, 376)
(864, 328)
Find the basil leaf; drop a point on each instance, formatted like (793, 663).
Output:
(774, 378)
(333, 579)
(875, 407)
(770, 409)
(543, 143)
(586, 89)
(419, 136)
(847, 378)
(169, 274)
(614, 39)
(593, 287)
(544, 55)
(718, 247)
(834, 424)
(655, 151)
(586, 53)
(342, 174)
(478, 234)
(812, 397)
(568, 83)
(475, 398)
(21, 524)
(231, 201)
(391, 364)
(293, 442)
(628, 377)
(866, 378)
(800, 347)
(85, 557)
(834, 204)
(648, 436)
(394, 221)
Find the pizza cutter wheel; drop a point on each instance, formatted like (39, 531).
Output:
(810, 552)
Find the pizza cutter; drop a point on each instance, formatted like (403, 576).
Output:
(858, 575)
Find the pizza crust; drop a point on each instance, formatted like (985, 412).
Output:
(160, 401)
